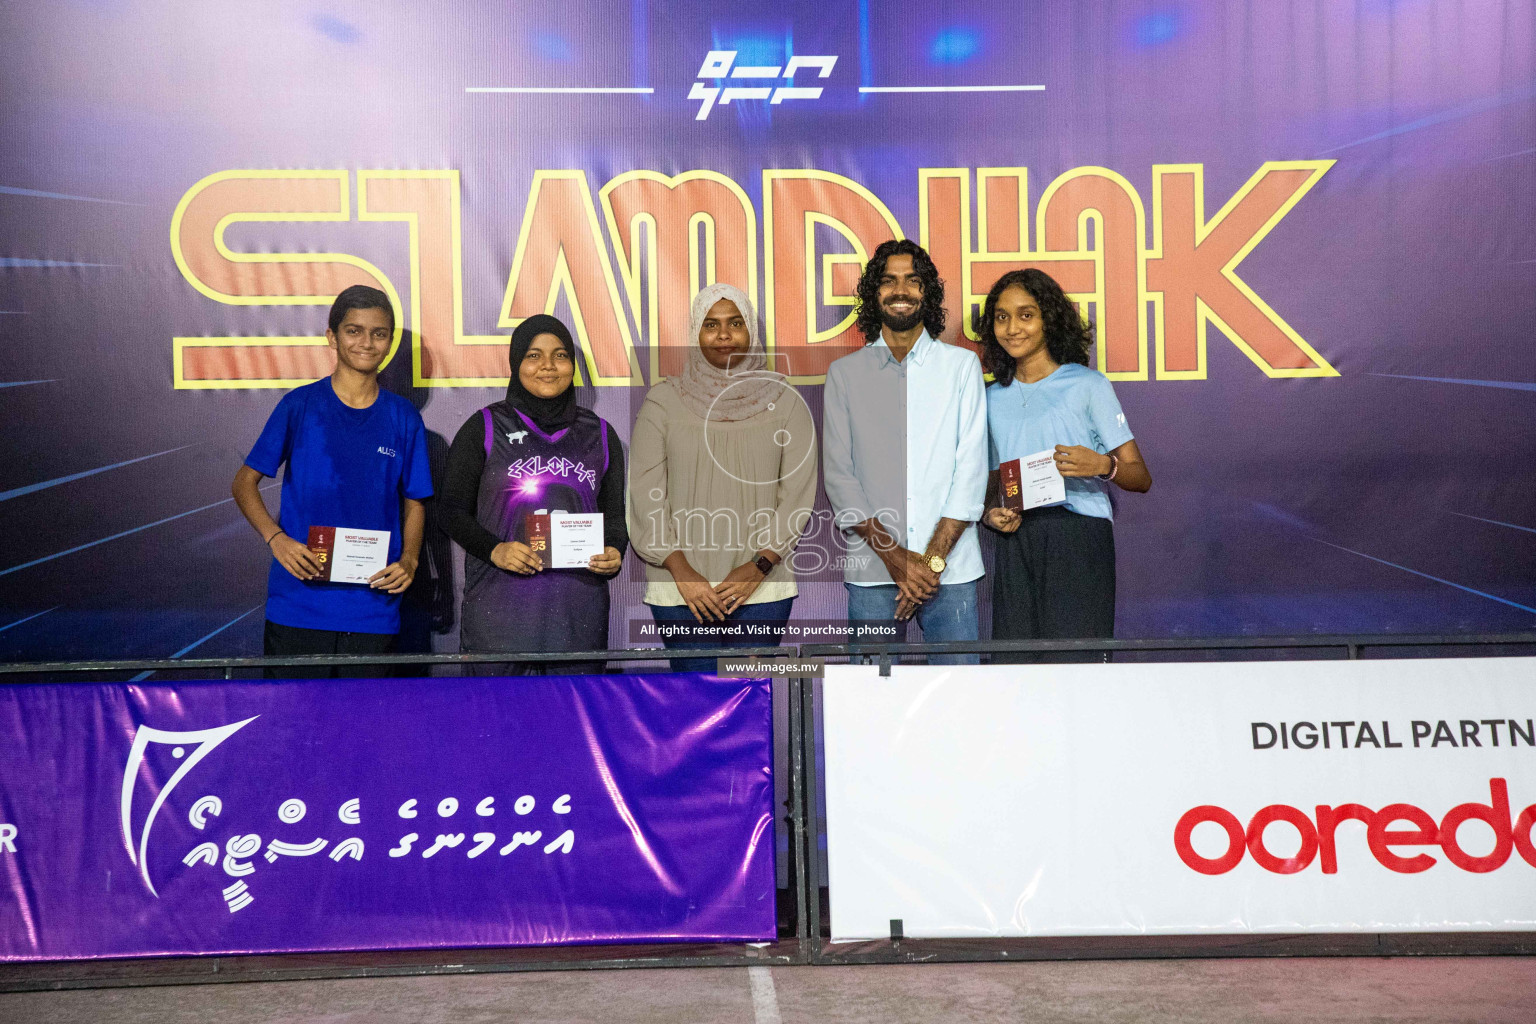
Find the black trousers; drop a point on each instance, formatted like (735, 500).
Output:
(279, 641)
(1055, 580)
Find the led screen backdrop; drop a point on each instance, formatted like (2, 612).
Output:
(1304, 231)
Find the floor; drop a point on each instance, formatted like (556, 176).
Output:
(1476, 990)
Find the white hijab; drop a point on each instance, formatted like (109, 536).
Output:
(742, 390)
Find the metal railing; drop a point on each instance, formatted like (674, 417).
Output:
(1351, 645)
(227, 666)
(805, 937)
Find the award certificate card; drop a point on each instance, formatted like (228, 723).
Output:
(349, 556)
(574, 539)
(1037, 479)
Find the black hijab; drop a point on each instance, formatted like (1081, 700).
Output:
(548, 414)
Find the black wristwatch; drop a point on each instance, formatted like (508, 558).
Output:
(764, 564)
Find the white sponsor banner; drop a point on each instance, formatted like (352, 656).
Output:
(1323, 796)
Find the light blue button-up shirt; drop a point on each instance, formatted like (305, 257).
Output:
(906, 442)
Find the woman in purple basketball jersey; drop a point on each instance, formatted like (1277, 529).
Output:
(536, 451)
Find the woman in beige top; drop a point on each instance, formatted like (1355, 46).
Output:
(722, 480)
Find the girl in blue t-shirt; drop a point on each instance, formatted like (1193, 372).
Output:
(1055, 570)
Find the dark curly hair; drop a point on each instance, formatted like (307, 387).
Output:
(1068, 335)
(932, 310)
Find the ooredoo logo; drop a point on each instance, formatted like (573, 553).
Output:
(1317, 835)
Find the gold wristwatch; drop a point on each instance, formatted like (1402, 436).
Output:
(936, 563)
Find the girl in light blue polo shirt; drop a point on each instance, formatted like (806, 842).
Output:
(1055, 571)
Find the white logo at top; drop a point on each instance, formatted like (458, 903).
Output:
(717, 64)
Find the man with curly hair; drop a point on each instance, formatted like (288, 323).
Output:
(905, 456)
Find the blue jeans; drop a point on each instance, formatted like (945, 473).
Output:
(774, 614)
(947, 617)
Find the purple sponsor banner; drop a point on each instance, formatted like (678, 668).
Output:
(250, 817)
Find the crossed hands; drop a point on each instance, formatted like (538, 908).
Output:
(915, 581)
(715, 603)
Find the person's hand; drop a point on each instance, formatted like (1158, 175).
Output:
(698, 595)
(607, 563)
(738, 585)
(909, 570)
(1075, 460)
(905, 608)
(300, 562)
(1003, 520)
(395, 577)
(515, 556)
